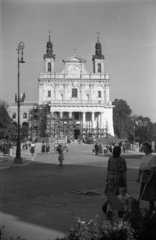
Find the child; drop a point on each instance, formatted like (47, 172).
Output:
(123, 197)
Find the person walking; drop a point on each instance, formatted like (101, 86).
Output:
(43, 147)
(32, 148)
(96, 149)
(60, 152)
(6, 148)
(147, 174)
(11, 148)
(100, 149)
(116, 175)
(47, 148)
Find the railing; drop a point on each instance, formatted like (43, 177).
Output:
(99, 76)
(77, 101)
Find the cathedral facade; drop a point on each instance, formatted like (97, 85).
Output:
(75, 93)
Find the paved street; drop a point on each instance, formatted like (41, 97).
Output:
(46, 198)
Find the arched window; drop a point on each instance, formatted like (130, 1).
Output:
(99, 93)
(49, 67)
(99, 67)
(49, 93)
(14, 115)
(24, 115)
(74, 92)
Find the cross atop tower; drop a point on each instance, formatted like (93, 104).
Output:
(49, 35)
(98, 36)
(74, 50)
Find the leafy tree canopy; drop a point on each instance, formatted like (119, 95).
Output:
(130, 126)
(120, 113)
(5, 122)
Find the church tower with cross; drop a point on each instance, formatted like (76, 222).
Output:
(75, 94)
(98, 58)
(49, 57)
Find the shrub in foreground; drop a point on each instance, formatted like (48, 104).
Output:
(135, 226)
(116, 230)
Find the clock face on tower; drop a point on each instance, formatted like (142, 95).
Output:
(74, 71)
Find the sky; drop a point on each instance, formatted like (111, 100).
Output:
(127, 33)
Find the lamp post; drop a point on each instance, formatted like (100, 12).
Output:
(18, 158)
(134, 134)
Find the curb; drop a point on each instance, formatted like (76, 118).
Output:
(19, 165)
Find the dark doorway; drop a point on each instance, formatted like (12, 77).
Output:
(76, 133)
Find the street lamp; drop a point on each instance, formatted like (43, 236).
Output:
(18, 158)
(134, 133)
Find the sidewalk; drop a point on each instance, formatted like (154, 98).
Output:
(8, 162)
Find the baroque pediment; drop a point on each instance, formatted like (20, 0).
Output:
(74, 58)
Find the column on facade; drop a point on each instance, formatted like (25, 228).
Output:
(104, 95)
(92, 121)
(83, 119)
(64, 91)
(101, 120)
(98, 120)
(107, 94)
(70, 114)
(41, 93)
(54, 93)
(61, 114)
(80, 93)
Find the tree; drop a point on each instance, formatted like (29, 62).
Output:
(5, 122)
(145, 130)
(120, 113)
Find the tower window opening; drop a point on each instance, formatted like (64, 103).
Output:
(99, 67)
(49, 67)
(99, 94)
(49, 93)
(74, 92)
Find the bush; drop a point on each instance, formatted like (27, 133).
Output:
(116, 230)
(135, 226)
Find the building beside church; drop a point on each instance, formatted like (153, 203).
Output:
(76, 93)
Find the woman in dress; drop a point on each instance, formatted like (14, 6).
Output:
(116, 174)
(60, 152)
(47, 148)
(11, 148)
(147, 171)
(32, 148)
(43, 147)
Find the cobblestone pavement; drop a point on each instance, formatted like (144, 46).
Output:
(44, 199)
(44, 177)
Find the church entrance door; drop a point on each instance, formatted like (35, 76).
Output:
(76, 133)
